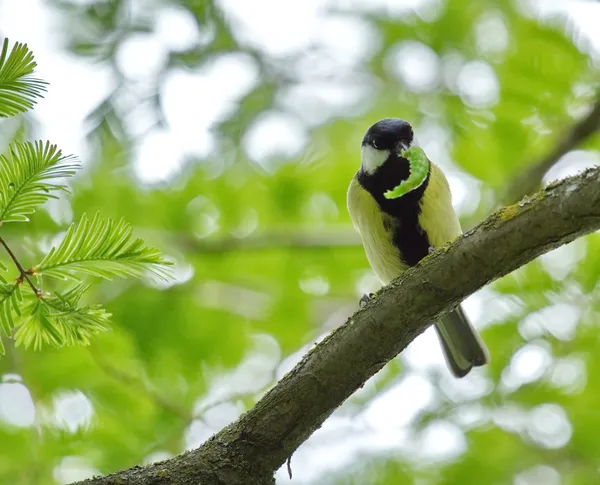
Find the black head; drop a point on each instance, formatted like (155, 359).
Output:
(383, 167)
(390, 134)
(383, 143)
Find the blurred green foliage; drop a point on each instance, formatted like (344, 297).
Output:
(267, 261)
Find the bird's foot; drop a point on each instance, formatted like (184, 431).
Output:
(366, 299)
(430, 250)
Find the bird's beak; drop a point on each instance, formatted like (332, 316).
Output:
(402, 146)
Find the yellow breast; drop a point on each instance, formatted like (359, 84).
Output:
(437, 218)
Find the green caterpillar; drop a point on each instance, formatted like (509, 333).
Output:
(419, 167)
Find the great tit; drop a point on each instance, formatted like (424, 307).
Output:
(398, 233)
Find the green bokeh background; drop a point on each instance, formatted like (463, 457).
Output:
(268, 261)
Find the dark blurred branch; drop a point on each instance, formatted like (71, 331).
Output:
(529, 181)
(249, 450)
(276, 240)
(134, 382)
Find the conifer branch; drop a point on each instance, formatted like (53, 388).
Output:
(19, 91)
(23, 273)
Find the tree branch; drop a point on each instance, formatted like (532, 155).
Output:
(529, 180)
(259, 442)
(326, 239)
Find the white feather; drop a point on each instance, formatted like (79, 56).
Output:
(372, 158)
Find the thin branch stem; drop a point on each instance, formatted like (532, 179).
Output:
(24, 274)
(130, 380)
(342, 237)
(529, 180)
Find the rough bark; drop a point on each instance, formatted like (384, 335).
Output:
(249, 450)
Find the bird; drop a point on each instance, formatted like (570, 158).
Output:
(397, 233)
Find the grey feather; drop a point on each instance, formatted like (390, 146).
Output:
(463, 349)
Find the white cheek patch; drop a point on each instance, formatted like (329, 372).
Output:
(372, 158)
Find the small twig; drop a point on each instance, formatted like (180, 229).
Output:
(24, 274)
(236, 396)
(130, 380)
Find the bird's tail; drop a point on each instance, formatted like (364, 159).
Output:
(463, 349)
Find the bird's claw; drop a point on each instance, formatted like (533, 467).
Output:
(430, 250)
(366, 299)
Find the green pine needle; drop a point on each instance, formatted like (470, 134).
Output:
(18, 90)
(57, 320)
(105, 249)
(24, 175)
(10, 302)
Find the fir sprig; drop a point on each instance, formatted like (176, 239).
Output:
(30, 174)
(104, 249)
(19, 91)
(58, 320)
(10, 300)
(24, 178)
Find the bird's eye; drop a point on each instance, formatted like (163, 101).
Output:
(374, 143)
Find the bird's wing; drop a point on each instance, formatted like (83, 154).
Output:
(437, 217)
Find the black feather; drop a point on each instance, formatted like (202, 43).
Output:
(407, 235)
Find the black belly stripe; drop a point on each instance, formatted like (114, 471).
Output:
(407, 235)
